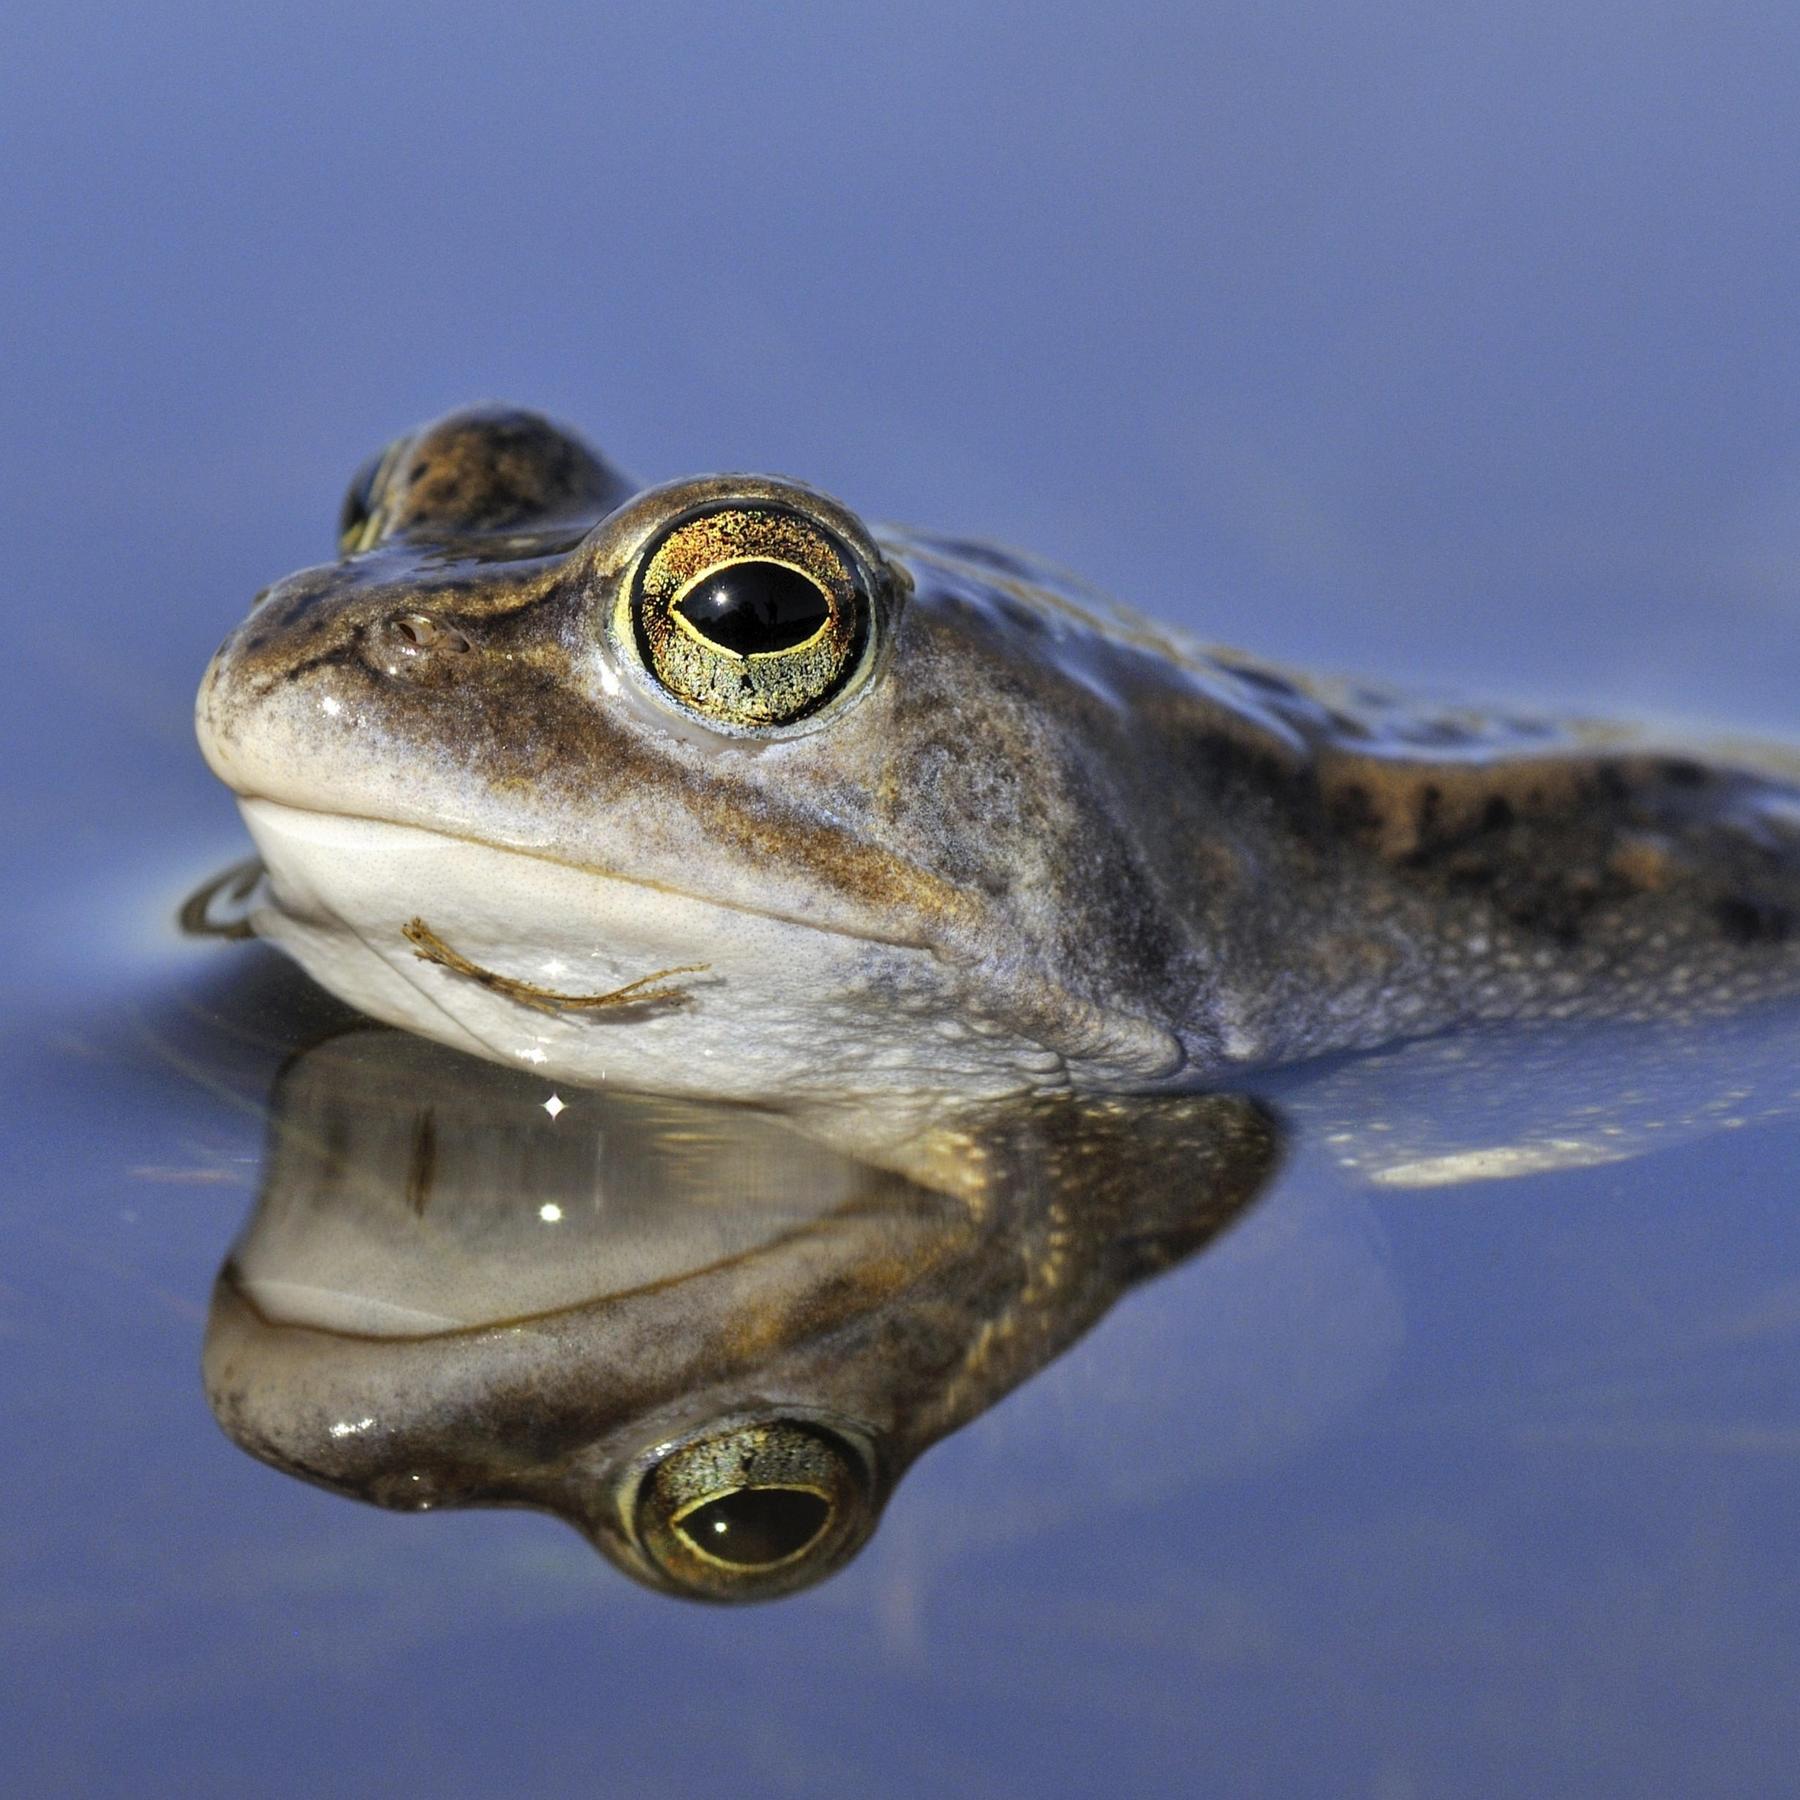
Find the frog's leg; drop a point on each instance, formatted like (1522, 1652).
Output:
(646, 990)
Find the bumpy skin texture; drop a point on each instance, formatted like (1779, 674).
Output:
(1140, 860)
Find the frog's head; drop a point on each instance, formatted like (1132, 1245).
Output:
(702, 788)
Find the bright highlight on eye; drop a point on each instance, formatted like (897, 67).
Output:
(750, 616)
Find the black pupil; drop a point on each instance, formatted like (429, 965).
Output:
(756, 1526)
(755, 607)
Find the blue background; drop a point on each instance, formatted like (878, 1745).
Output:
(1447, 343)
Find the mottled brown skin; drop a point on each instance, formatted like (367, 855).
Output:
(1157, 861)
(483, 469)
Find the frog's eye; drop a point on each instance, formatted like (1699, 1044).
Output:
(362, 519)
(751, 616)
(751, 1512)
(481, 469)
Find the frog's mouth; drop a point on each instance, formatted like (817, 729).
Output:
(317, 850)
(500, 952)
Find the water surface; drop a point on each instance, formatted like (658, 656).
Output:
(1386, 1476)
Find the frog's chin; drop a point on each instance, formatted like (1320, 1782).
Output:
(518, 955)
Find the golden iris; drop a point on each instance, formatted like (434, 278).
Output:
(752, 1510)
(749, 615)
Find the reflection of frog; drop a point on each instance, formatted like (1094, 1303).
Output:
(713, 1345)
(712, 791)
(656, 1317)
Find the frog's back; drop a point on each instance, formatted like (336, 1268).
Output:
(1352, 865)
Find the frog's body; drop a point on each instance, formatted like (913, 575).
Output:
(1028, 841)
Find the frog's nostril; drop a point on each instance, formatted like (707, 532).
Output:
(419, 633)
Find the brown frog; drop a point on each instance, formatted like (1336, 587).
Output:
(710, 789)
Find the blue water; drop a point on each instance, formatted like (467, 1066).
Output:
(1452, 346)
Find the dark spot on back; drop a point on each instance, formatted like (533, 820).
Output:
(1679, 771)
(1354, 812)
(1020, 616)
(1747, 921)
(1261, 678)
(1439, 734)
(991, 556)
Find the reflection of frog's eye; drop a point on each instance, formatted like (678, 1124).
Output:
(751, 616)
(753, 1511)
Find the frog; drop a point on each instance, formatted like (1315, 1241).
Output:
(710, 789)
